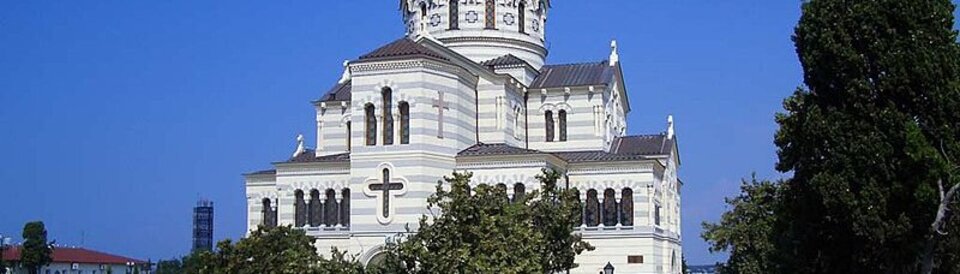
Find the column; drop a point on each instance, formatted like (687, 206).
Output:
(379, 132)
(338, 195)
(618, 196)
(583, 208)
(556, 126)
(396, 126)
(319, 134)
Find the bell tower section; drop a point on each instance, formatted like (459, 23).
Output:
(482, 29)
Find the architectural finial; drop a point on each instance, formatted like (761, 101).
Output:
(670, 131)
(346, 72)
(300, 147)
(614, 54)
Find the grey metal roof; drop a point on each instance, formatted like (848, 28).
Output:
(570, 75)
(482, 149)
(506, 60)
(264, 172)
(309, 156)
(401, 48)
(624, 149)
(339, 92)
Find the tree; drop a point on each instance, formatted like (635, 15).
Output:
(282, 249)
(36, 250)
(869, 140)
(482, 231)
(746, 230)
(172, 266)
(555, 213)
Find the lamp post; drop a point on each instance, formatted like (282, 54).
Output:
(608, 269)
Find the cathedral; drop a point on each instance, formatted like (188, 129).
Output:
(468, 88)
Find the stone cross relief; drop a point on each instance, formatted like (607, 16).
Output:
(441, 105)
(385, 189)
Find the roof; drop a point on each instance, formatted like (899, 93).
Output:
(570, 75)
(506, 60)
(625, 148)
(482, 149)
(401, 48)
(309, 156)
(74, 255)
(339, 92)
(264, 172)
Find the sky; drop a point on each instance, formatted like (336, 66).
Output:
(117, 116)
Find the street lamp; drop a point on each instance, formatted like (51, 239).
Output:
(608, 269)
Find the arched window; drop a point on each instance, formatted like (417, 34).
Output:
(330, 208)
(626, 207)
(371, 123)
(345, 208)
(349, 135)
(405, 122)
(387, 116)
(491, 14)
(576, 193)
(548, 119)
(454, 14)
(522, 15)
(591, 213)
(609, 207)
(562, 116)
(316, 209)
(502, 190)
(519, 191)
(269, 214)
(300, 209)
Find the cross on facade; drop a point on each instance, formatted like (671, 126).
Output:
(384, 190)
(440, 104)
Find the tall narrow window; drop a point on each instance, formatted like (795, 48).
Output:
(609, 207)
(349, 136)
(300, 209)
(316, 209)
(387, 116)
(269, 214)
(330, 208)
(548, 119)
(519, 191)
(454, 14)
(491, 14)
(656, 215)
(591, 213)
(522, 15)
(576, 193)
(405, 122)
(626, 207)
(562, 116)
(371, 123)
(345, 208)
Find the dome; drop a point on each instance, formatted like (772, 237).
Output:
(482, 29)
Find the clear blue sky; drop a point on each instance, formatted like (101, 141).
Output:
(117, 115)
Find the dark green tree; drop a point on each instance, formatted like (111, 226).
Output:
(479, 231)
(172, 266)
(870, 140)
(280, 249)
(482, 231)
(555, 213)
(745, 231)
(36, 250)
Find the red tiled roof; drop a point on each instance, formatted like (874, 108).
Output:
(74, 255)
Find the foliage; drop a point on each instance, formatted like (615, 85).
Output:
(482, 231)
(172, 266)
(555, 213)
(870, 143)
(270, 250)
(745, 231)
(36, 250)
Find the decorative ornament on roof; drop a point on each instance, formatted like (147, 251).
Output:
(300, 147)
(614, 54)
(670, 131)
(346, 72)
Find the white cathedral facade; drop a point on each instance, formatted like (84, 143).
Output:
(468, 89)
